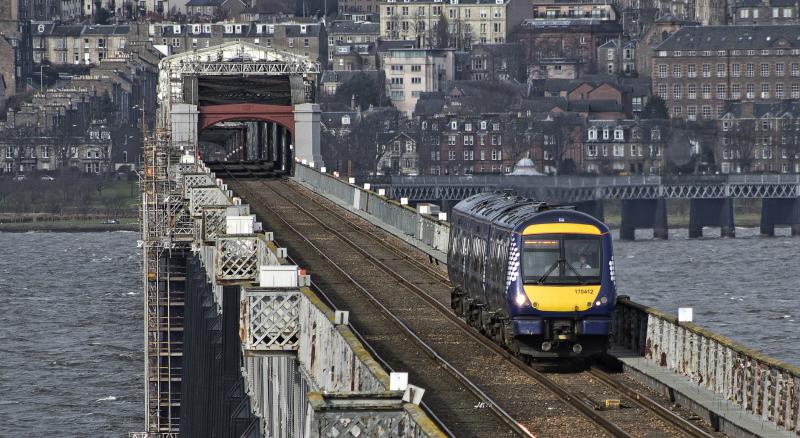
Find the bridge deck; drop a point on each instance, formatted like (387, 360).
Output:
(339, 270)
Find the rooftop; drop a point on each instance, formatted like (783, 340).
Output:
(704, 38)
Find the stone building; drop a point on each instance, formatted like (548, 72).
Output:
(763, 12)
(306, 39)
(698, 70)
(469, 21)
(624, 146)
(574, 42)
(398, 154)
(759, 137)
(359, 7)
(78, 44)
(353, 45)
(496, 62)
(411, 72)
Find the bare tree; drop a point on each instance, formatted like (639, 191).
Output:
(740, 142)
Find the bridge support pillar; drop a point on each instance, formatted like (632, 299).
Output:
(593, 208)
(644, 213)
(777, 211)
(307, 132)
(711, 212)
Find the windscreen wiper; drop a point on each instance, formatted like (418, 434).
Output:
(549, 270)
(577, 275)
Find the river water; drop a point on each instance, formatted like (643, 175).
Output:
(71, 361)
(71, 319)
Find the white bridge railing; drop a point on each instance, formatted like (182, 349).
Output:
(305, 375)
(758, 384)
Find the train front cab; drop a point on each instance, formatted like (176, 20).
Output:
(563, 296)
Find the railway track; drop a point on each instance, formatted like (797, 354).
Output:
(519, 397)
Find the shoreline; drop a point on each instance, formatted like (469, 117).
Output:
(67, 227)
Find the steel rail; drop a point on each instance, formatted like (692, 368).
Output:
(636, 397)
(571, 399)
(649, 404)
(355, 331)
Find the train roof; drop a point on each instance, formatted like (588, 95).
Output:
(503, 209)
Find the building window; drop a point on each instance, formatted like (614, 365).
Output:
(706, 70)
(779, 91)
(750, 91)
(677, 111)
(677, 70)
(451, 155)
(720, 70)
(736, 70)
(706, 112)
(750, 70)
(795, 91)
(662, 70)
(721, 91)
(691, 71)
(765, 91)
(677, 91)
(780, 69)
(735, 91)
(468, 140)
(662, 91)
(619, 150)
(591, 150)
(451, 140)
(764, 70)
(593, 134)
(691, 112)
(795, 70)
(692, 91)
(618, 134)
(706, 91)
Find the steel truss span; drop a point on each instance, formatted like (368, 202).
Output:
(588, 189)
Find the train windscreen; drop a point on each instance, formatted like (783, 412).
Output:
(562, 259)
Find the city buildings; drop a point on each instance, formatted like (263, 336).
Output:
(697, 70)
(411, 72)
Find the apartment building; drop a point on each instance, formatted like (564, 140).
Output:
(469, 21)
(697, 70)
(410, 72)
(306, 39)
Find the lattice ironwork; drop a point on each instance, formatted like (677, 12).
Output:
(196, 180)
(213, 222)
(271, 320)
(204, 196)
(237, 258)
(354, 424)
(575, 190)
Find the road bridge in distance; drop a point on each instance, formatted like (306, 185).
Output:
(643, 198)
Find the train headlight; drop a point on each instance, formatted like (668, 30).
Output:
(520, 299)
(603, 300)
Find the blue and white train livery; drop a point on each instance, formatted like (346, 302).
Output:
(537, 279)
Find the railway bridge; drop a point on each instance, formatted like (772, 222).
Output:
(643, 198)
(310, 306)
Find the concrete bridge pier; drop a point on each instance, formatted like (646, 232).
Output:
(779, 211)
(711, 212)
(644, 213)
(593, 208)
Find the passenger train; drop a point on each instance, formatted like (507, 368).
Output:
(538, 279)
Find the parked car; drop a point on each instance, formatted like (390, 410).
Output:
(19, 178)
(48, 178)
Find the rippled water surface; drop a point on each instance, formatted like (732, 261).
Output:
(745, 288)
(70, 335)
(71, 320)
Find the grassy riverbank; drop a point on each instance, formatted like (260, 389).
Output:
(747, 213)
